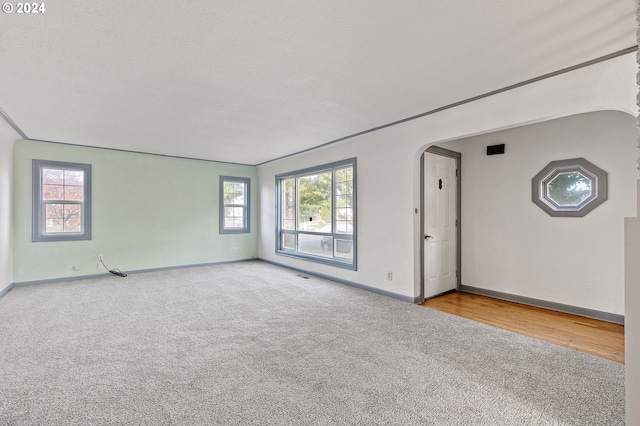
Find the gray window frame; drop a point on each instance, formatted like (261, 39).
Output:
(246, 206)
(335, 261)
(599, 193)
(38, 204)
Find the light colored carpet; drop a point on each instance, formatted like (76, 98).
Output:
(254, 344)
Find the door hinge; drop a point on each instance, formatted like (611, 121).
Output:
(456, 172)
(456, 223)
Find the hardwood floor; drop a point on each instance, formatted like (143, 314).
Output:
(588, 335)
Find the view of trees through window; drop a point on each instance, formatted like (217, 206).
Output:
(569, 189)
(317, 213)
(314, 206)
(234, 204)
(61, 201)
(62, 196)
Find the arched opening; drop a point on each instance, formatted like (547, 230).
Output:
(512, 247)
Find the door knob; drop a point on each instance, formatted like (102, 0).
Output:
(426, 236)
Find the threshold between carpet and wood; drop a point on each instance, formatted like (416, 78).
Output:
(588, 335)
(253, 343)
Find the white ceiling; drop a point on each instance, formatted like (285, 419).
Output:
(248, 81)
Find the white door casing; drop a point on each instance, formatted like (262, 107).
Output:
(440, 228)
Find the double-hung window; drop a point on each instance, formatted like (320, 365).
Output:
(234, 205)
(316, 214)
(61, 201)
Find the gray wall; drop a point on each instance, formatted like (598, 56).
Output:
(632, 324)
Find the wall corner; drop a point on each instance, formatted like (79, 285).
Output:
(632, 316)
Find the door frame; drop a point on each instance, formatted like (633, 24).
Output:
(458, 157)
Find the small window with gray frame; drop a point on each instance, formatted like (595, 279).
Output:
(61, 201)
(234, 205)
(570, 188)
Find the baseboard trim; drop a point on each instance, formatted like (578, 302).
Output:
(136, 271)
(57, 280)
(347, 282)
(6, 290)
(560, 307)
(195, 265)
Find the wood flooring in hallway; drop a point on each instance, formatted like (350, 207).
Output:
(595, 337)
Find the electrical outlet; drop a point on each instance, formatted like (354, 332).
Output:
(75, 267)
(101, 257)
(389, 275)
(98, 266)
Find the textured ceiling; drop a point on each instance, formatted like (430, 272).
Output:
(248, 81)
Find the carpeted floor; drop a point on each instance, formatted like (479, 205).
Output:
(254, 344)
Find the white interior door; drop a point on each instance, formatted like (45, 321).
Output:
(440, 239)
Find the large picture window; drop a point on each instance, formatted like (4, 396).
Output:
(317, 214)
(61, 201)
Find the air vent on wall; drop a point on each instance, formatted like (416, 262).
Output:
(495, 149)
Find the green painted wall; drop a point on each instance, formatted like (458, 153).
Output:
(149, 212)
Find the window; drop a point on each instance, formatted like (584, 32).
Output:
(569, 187)
(234, 205)
(61, 201)
(316, 211)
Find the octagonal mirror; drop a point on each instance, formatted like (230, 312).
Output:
(571, 187)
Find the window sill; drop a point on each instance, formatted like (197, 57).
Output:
(317, 259)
